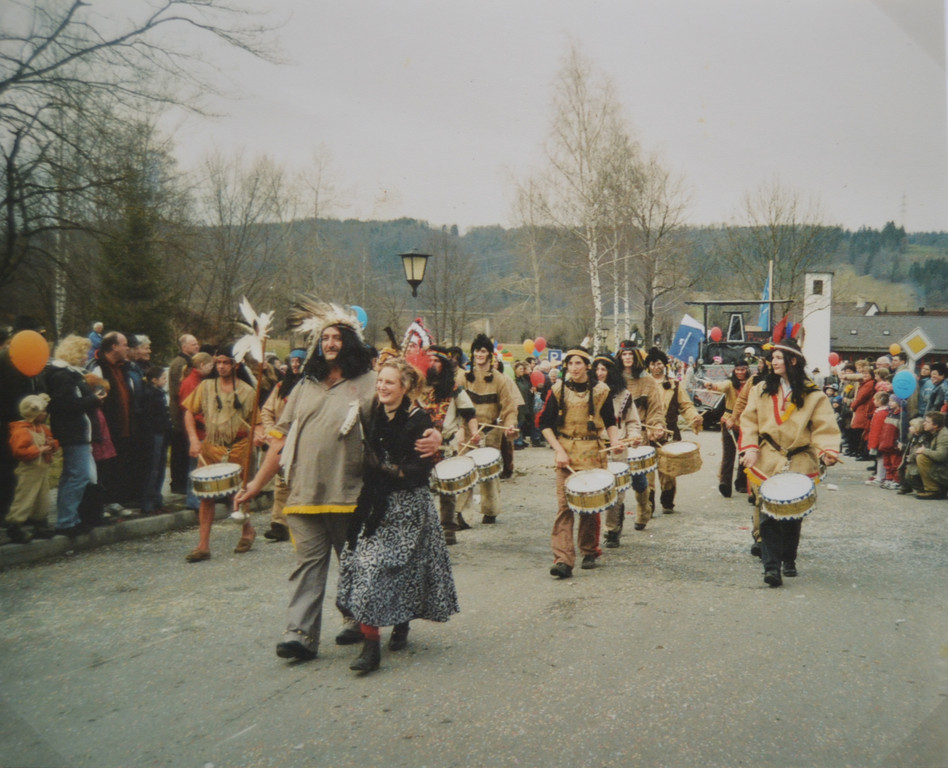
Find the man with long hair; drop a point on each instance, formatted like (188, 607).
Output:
(318, 441)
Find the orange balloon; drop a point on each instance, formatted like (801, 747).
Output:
(29, 352)
(894, 349)
(528, 346)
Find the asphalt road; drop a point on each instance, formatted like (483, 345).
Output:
(672, 653)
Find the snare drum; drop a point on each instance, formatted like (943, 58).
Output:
(623, 478)
(216, 480)
(679, 458)
(489, 463)
(454, 476)
(642, 459)
(787, 496)
(590, 491)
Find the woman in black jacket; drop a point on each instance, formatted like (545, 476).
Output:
(72, 408)
(397, 566)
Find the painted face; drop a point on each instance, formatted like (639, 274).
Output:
(657, 369)
(780, 367)
(389, 387)
(331, 342)
(576, 368)
(601, 371)
(481, 357)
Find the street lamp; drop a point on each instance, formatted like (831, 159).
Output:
(414, 264)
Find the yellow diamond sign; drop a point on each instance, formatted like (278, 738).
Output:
(916, 344)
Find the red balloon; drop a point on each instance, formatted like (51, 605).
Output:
(539, 344)
(716, 334)
(833, 358)
(536, 378)
(29, 352)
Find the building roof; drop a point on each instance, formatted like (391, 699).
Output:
(876, 333)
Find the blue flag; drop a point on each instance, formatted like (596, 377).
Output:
(763, 319)
(687, 341)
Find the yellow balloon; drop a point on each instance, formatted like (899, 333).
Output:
(528, 346)
(894, 349)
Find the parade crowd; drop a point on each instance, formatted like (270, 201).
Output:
(374, 454)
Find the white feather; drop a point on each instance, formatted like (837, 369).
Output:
(351, 418)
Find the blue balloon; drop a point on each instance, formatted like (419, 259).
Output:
(360, 315)
(903, 384)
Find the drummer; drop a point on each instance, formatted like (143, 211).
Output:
(451, 411)
(629, 428)
(788, 425)
(572, 418)
(676, 404)
(226, 404)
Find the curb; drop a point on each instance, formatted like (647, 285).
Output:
(125, 529)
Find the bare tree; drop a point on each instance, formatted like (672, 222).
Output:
(656, 247)
(59, 63)
(776, 224)
(243, 247)
(450, 287)
(585, 127)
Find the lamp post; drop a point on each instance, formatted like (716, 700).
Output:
(414, 264)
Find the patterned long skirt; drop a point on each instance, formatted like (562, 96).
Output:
(402, 571)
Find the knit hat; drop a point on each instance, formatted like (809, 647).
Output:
(32, 406)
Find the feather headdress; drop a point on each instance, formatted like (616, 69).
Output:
(258, 329)
(310, 317)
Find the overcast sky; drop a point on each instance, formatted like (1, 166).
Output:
(432, 109)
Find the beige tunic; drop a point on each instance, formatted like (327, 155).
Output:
(802, 434)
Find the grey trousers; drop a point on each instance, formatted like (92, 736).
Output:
(314, 538)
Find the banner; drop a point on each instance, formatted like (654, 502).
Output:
(763, 318)
(687, 341)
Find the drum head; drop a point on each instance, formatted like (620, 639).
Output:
(641, 452)
(619, 467)
(456, 466)
(590, 481)
(483, 456)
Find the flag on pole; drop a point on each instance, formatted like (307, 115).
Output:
(763, 319)
(687, 341)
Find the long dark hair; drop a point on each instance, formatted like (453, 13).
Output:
(354, 359)
(800, 383)
(442, 383)
(614, 378)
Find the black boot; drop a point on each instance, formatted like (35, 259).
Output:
(399, 639)
(369, 659)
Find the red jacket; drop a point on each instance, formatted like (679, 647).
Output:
(875, 428)
(862, 404)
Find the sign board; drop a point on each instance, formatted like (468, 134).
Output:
(554, 355)
(916, 344)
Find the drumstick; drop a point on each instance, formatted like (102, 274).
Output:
(495, 426)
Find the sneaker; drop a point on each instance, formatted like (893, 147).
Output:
(873, 481)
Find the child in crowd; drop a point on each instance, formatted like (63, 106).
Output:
(909, 478)
(32, 444)
(880, 402)
(156, 427)
(890, 446)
